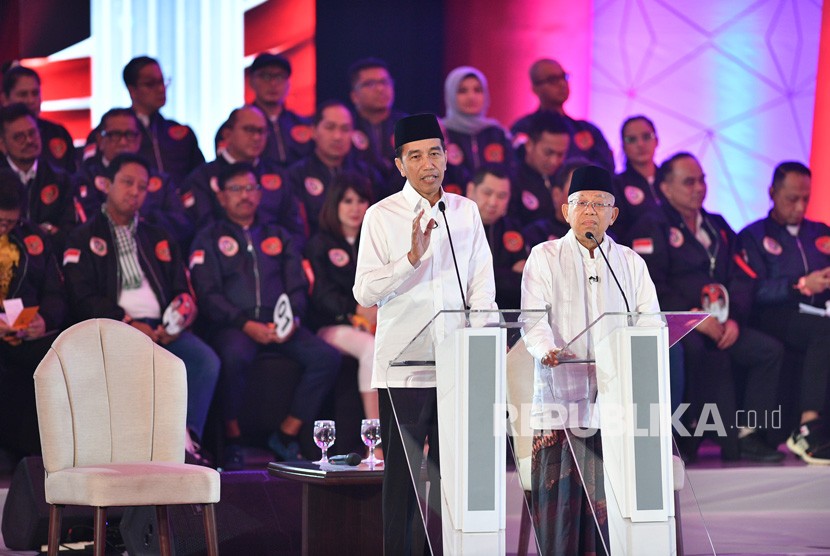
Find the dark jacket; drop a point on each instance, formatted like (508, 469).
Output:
(240, 274)
(635, 198)
(544, 229)
(334, 262)
(288, 138)
(37, 279)
(508, 246)
(58, 148)
(780, 259)
(680, 266)
(530, 197)
(374, 144)
(170, 147)
(93, 279)
(466, 153)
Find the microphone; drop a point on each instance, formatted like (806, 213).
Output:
(349, 459)
(590, 235)
(443, 208)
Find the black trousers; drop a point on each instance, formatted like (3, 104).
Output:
(403, 440)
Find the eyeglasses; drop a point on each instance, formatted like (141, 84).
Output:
(645, 138)
(583, 205)
(554, 79)
(372, 83)
(272, 76)
(117, 135)
(22, 136)
(239, 188)
(155, 83)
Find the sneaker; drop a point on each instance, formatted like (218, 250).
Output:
(753, 448)
(811, 443)
(285, 451)
(234, 459)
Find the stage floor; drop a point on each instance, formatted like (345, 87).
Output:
(747, 509)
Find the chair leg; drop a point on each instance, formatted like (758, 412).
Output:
(54, 528)
(211, 536)
(163, 530)
(100, 535)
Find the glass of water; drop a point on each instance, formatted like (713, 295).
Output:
(370, 433)
(324, 435)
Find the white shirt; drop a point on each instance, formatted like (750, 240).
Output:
(25, 176)
(556, 277)
(408, 297)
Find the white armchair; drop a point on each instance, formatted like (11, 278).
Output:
(111, 408)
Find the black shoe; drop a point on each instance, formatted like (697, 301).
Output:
(811, 442)
(234, 459)
(753, 448)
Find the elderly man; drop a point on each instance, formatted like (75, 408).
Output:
(405, 267)
(571, 277)
(791, 256)
(694, 258)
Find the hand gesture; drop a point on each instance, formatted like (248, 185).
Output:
(420, 239)
(259, 332)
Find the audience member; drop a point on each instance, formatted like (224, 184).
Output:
(541, 156)
(473, 139)
(311, 176)
(550, 85)
(245, 141)
(46, 191)
(239, 289)
(119, 133)
(119, 266)
(637, 194)
(288, 135)
(489, 188)
(332, 253)
(693, 258)
(22, 84)
(555, 224)
(373, 97)
(791, 257)
(28, 272)
(167, 145)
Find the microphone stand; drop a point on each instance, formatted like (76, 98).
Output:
(591, 236)
(443, 208)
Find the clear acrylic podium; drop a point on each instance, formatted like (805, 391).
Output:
(484, 379)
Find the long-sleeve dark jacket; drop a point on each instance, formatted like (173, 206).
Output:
(635, 197)
(37, 279)
(780, 259)
(93, 278)
(288, 138)
(334, 262)
(170, 147)
(508, 246)
(239, 274)
(58, 148)
(530, 197)
(680, 266)
(466, 153)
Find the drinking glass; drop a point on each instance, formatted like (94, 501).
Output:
(324, 435)
(370, 433)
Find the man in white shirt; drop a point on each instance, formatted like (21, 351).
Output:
(571, 278)
(405, 266)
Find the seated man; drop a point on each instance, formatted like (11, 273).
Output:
(47, 199)
(791, 256)
(555, 277)
(310, 176)
(540, 158)
(120, 267)
(245, 134)
(692, 256)
(241, 267)
(119, 133)
(30, 273)
(490, 190)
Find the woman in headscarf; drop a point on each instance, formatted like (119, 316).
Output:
(472, 138)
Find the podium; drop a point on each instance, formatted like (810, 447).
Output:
(472, 369)
(617, 370)
(463, 355)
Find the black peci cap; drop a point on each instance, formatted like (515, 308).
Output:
(266, 59)
(591, 178)
(415, 128)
